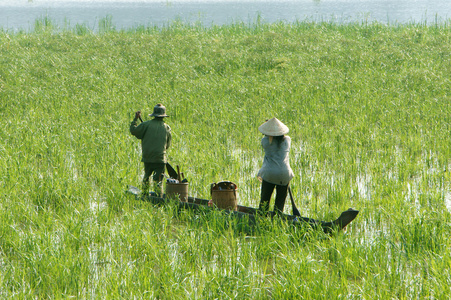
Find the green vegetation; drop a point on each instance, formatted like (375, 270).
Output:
(368, 107)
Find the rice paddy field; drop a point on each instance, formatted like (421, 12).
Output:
(369, 112)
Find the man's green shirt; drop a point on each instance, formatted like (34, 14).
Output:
(155, 136)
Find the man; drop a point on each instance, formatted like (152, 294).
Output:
(155, 136)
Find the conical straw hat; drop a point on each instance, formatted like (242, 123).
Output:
(273, 127)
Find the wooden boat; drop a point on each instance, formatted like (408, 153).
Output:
(250, 214)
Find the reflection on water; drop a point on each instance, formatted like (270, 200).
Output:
(448, 200)
(16, 15)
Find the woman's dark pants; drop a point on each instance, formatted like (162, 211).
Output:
(281, 195)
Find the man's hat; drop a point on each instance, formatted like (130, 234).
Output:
(159, 111)
(273, 127)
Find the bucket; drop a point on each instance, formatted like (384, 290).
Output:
(223, 195)
(179, 190)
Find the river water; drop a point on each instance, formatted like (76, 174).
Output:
(22, 14)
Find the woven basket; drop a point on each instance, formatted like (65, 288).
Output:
(177, 190)
(223, 195)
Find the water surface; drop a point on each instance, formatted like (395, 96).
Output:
(22, 14)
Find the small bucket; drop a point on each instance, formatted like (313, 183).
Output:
(179, 190)
(223, 195)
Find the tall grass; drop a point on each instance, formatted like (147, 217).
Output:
(368, 107)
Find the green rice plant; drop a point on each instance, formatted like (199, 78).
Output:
(368, 110)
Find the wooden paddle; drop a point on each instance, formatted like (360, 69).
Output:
(293, 205)
(178, 173)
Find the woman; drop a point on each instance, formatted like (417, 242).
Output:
(276, 171)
